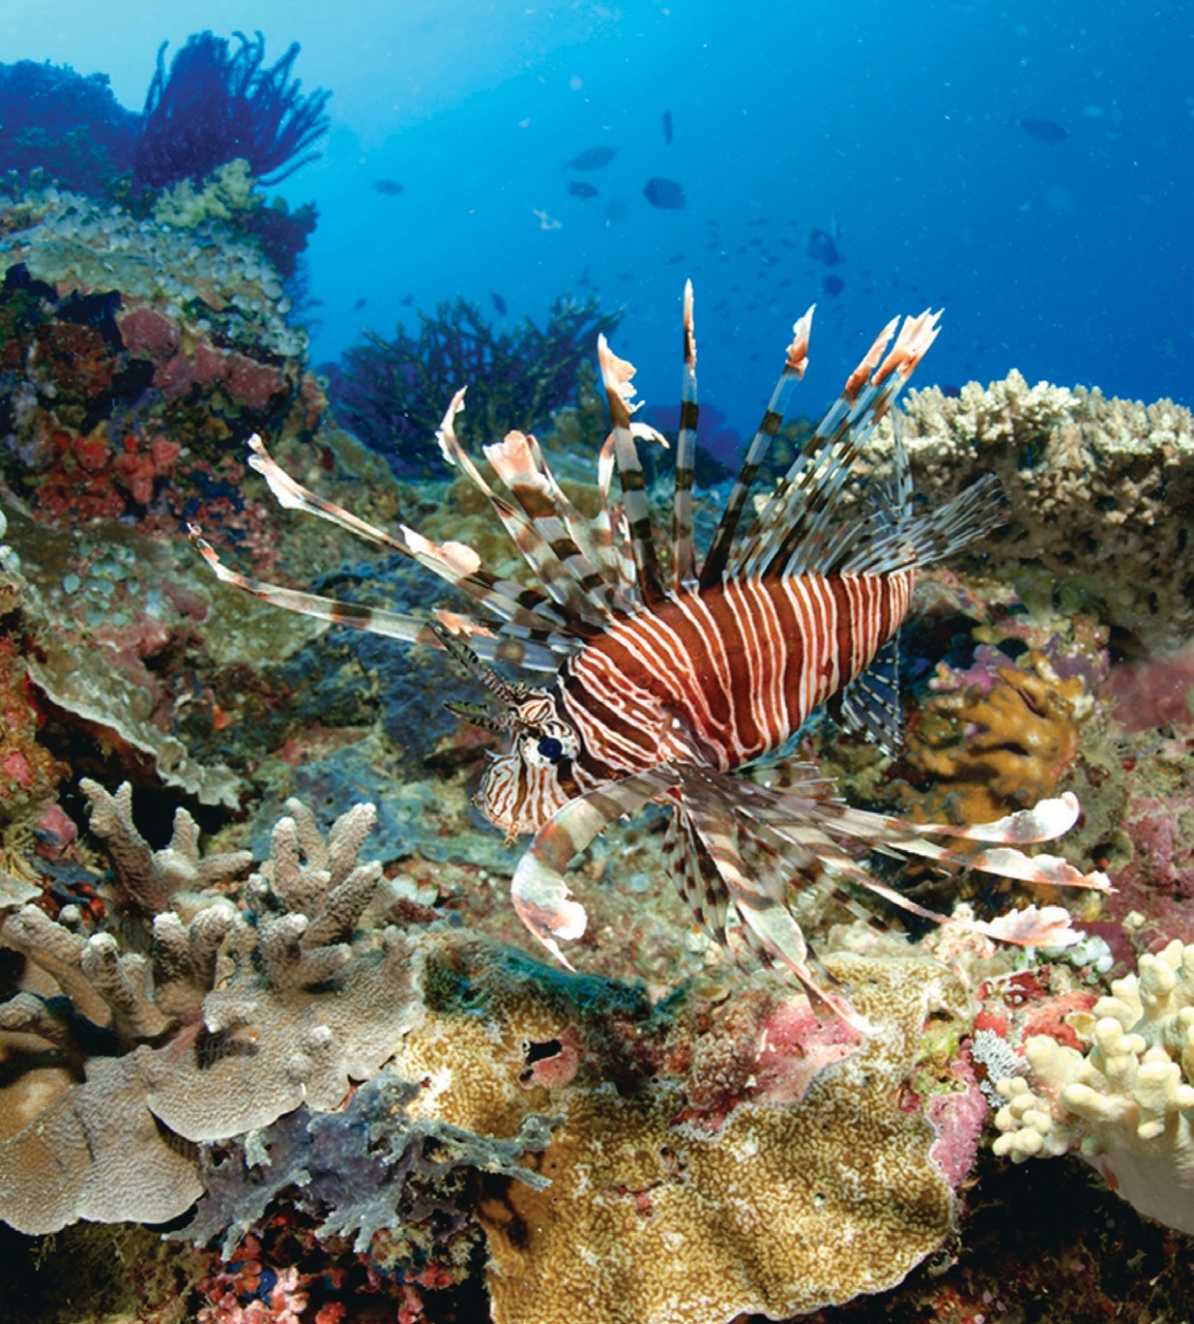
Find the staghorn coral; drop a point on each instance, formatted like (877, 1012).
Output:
(1100, 492)
(1125, 1102)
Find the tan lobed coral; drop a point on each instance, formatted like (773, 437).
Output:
(1126, 1103)
(654, 1214)
(230, 1022)
(1099, 493)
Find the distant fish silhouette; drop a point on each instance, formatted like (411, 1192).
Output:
(821, 248)
(580, 188)
(499, 303)
(1045, 131)
(360, 303)
(667, 127)
(833, 285)
(390, 188)
(595, 158)
(407, 300)
(666, 194)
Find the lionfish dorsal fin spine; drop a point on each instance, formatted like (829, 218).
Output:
(616, 375)
(798, 530)
(683, 554)
(553, 536)
(718, 556)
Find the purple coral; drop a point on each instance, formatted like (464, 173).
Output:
(216, 105)
(392, 393)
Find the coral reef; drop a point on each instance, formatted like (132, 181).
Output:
(217, 104)
(66, 125)
(336, 1075)
(1125, 1100)
(651, 1217)
(412, 1093)
(392, 393)
(1097, 488)
(227, 1026)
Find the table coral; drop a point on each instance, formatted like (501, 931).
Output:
(1098, 490)
(1126, 1102)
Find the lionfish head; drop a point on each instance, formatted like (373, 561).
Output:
(525, 786)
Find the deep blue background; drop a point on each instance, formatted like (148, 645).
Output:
(895, 127)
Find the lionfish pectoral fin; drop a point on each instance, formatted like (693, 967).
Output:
(870, 703)
(775, 934)
(539, 892)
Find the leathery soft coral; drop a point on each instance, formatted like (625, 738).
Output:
(998, 737)
(1126, 1101)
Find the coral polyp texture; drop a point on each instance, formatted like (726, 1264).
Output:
(1125, 1100)
(655, 1215)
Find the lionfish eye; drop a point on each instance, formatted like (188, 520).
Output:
(551, 749)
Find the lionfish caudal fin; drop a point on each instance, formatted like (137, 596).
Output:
(799, 840)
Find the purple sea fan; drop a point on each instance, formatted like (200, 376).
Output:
(216, 105)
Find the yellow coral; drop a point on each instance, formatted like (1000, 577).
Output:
(995, 752)
(229, 189)
(651, 1218)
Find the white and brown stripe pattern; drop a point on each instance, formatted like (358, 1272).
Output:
(731, 673)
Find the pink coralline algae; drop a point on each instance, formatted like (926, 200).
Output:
(182, 360)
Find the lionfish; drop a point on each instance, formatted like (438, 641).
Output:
(671, 681)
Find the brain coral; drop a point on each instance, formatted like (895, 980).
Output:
(1100, 492)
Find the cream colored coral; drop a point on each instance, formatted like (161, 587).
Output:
(1095, 487)
(1127, 1104)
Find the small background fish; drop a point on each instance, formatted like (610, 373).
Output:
(666, 194)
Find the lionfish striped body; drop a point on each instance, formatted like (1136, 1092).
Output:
(665, 688)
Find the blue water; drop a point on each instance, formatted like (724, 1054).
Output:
(896, 130)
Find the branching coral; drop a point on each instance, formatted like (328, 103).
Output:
(1126, 1103)
(393, 393)
(217, 104)
(226, 1025)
